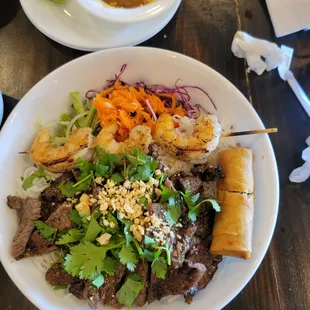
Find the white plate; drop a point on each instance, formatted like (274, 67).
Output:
(71, 25)
(50, 97)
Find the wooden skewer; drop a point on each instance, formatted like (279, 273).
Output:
(249, 132)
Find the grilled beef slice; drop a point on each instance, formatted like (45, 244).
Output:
(77, 289)
(85, 290)
(183, 182)
(53, 193)
(207, 172)
(183, 235)
(38, 245)
(182, 242)
(143, 269)
(204, 222)
(28, 210)
(56, 275)
(200, 254)
(48, 207)
(111, 285)
(60, 218)
(178, 281)
(192, 184)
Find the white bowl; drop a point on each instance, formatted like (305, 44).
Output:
(50, 97)
(126, 16)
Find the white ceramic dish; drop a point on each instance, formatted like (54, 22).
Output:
(126, 16)
(50, 97)
(70, 25)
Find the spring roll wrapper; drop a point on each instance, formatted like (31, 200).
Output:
(233, 226)
(237, 164)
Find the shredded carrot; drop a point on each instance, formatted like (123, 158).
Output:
(127, 106)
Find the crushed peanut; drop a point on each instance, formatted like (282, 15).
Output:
(104, 239)
(84, 205)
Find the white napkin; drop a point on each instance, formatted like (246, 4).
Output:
(262, 55)
(302, 173)
(289, 16)
(253, 49)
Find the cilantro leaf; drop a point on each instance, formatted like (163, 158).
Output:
(59, 287)
(143, 166)
(189, 199)
(46, 231)
(194, 210)
(75, 218)
(166, 193)
(67, 189)
(86, 260)
(148, 241)
(73, 235)
(137, 157)
(98, 280)
(110, 218)
(106, 162)
(148, 255)
(128, 257)
(93, 230)
(130, 290)
(109, 266)
(29, 180)
(117, 178)
(215, 205)
(143, 173)
(159, 268)
(101, 170)
(174, 210)
(127, 232)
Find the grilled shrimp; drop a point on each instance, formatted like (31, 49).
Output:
(195, 147)
(140, 136)
(60, 159)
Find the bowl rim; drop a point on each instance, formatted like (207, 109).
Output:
(133, 16)
(275, 202)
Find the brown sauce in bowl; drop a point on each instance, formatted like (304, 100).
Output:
(127, 4)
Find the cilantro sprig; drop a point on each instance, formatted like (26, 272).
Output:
(174, 199)
(159, 263)
(130, 290)
(87, 261)
(69, 189)
(46, 231)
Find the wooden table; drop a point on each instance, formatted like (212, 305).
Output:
(203, 29)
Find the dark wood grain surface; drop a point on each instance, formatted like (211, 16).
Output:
(203, 29)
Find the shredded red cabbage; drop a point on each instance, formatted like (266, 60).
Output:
(181, 92)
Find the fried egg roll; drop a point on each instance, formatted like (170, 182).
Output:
(237, 164)
(232, 231)
(233, 226)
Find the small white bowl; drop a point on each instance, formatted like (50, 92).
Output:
(126, 16)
